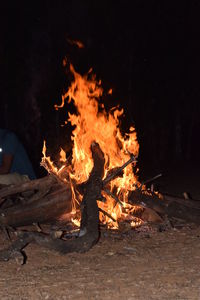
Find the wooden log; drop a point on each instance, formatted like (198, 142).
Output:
(186, 213)
(148, 199)
(49, 208)
(185, 209)
(181, 201)
(35, 184)
(173, 207)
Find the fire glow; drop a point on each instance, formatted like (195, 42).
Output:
(92, 123)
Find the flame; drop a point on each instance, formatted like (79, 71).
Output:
(77, 43)
(93, 123)
(62, 155)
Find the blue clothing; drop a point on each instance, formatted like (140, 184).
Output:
(9, 144)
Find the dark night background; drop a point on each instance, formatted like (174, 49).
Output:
(147, 51)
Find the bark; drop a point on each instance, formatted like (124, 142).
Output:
(45, 209)
(173, 207)
(27, 186)
(148, 199)
(183, 212)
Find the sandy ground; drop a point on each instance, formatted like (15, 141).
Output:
(143, 264)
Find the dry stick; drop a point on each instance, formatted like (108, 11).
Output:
(109, 193)
(149, 180)
(107, 214)
(112, 176)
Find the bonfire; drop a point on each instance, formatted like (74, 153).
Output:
(96, 186)
(93, 124)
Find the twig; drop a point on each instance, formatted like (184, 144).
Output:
(109, 193)
(113, 175)
(149, 180)
(107, 214)
(152, 179)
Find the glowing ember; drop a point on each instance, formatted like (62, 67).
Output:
(93, 123)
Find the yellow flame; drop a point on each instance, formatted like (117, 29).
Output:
(62, 155)
(94, 124)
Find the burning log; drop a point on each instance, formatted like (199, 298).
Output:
(172, 207)
(89, 232)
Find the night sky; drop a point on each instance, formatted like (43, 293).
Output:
(147, 51)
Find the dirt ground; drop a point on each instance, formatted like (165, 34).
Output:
(139, 264)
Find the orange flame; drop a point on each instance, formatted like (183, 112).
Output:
(77, 43)
(93, 123)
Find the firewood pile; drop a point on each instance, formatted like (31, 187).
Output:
(45, 200)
